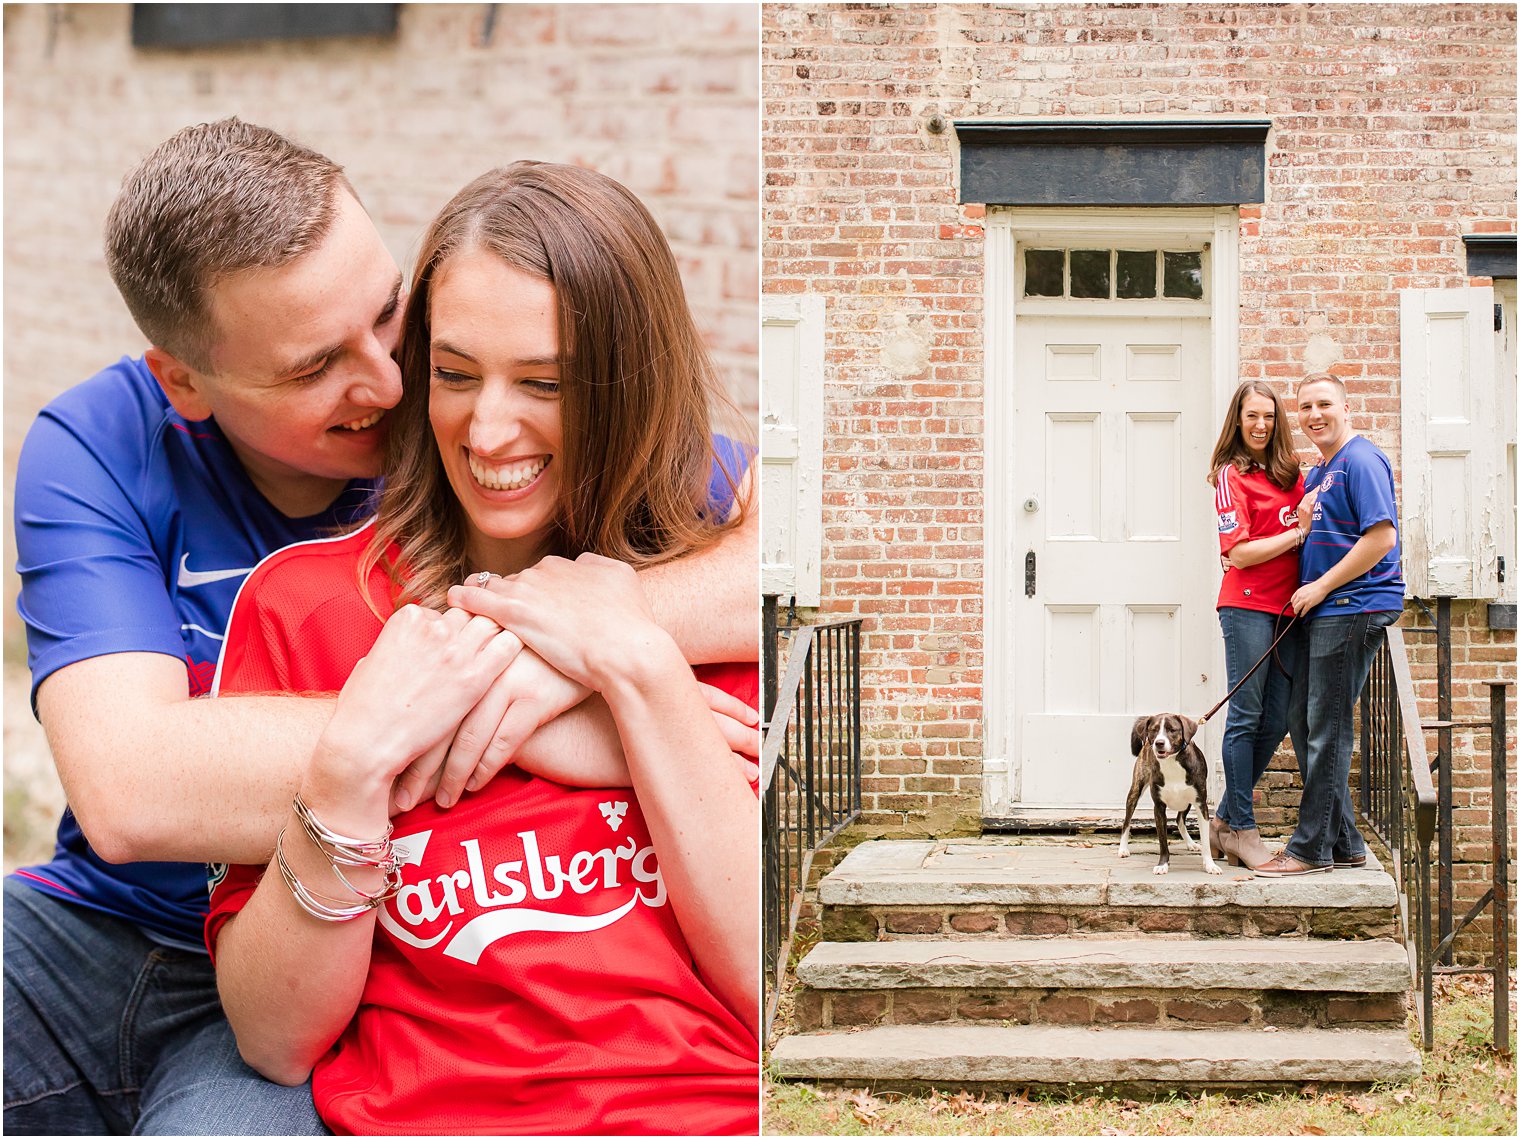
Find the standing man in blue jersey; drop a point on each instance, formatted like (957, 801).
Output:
(1352, 589)
(143, 498)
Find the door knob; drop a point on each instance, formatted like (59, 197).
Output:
(1031, 505)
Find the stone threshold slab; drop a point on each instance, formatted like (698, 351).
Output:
(999, 871)
(1042, 1054)
(1091, 963)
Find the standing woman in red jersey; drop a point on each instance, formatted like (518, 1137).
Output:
(1257, 489)
(529, 957)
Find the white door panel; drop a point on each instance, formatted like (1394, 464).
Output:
(1114, 428)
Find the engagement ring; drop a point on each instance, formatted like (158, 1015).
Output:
(483, 578)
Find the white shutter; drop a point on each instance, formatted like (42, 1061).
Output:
(791, 448)
(1453, 444)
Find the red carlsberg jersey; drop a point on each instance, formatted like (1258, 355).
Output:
(530, 977)
(1252, 506)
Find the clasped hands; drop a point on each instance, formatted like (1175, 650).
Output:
(443, 701)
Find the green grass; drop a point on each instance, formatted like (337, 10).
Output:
(1463, 1089)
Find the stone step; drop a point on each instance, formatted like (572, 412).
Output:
(1000, 887)
(1164, 981)
(1120, 1059)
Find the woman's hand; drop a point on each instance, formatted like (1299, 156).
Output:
(588, 618)
(404, 700)
(1306, 597)
(1306, 511)
(526, 696)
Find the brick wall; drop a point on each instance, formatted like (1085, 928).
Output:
(1393, 135)
(661, 98)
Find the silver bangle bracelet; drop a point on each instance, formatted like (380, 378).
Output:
(323, 909)
(341, 848)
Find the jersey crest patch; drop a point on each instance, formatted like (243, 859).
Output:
(1228, 521)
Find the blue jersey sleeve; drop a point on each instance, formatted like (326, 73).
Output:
(91, 582)
(730, 462)
(1369, 489)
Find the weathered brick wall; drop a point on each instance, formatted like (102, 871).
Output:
(662, 98)
(1393, 135)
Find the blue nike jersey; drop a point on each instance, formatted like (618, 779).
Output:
(134, 530)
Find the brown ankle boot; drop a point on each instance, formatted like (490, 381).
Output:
(1248, 849)
(1219, 838)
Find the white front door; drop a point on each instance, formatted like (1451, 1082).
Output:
(1104, 391)
(1117, 614)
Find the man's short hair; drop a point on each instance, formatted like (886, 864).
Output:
(1322, 378)
(213, 200)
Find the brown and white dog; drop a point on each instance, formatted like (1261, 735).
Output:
(1170, 764)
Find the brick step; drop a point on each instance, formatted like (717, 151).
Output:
(1143, 1060)
(989, 888)
(1154, 980)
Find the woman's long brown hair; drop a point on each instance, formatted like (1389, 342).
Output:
(637, 388)
(1231, 450)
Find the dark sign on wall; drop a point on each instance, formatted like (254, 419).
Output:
(1109, 163)
(207, 25)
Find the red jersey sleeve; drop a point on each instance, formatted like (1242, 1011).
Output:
(1230, 506)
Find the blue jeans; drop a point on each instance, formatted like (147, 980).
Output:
(1258, 716)
(1340, 652)
(107, 1032)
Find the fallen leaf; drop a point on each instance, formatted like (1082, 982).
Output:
(863, 1105)
(830, 1114)
(1362, 1105)
(1113, 1131)
(1310, 1129)
(962, 1102)
(1404, 1095)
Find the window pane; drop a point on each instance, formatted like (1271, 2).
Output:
(1042, 272)
(1182, 275)
(1089, 273)
(1136, 278)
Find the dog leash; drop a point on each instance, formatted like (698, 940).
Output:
(1272, 648)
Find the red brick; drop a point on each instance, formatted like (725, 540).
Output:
(1202, 1012)
(915, 921)
(920, 1006)
(857, 1008)
(974, 923)
(1061, 1008)
(997, 1004)
(1134, 1011)
(807, 1008)
(1026, 924)
(1384, 1007)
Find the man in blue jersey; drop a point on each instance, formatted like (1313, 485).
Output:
(1352, 589)
(143, 497)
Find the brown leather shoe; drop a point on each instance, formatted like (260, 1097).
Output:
(1286, 866)
(1352, 863)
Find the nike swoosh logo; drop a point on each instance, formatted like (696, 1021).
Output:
(189, 578)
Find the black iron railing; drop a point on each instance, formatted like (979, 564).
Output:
(809, 773)
(1409, 810)
(1398, 802)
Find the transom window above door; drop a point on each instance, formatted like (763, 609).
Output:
(1114, 274)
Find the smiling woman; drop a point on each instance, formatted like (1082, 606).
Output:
(494, 405)
(575, 955)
